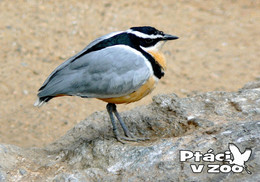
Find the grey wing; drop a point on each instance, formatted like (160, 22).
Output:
(110, 72)
(64, 64)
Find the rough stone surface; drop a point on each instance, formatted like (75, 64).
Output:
(88, 152)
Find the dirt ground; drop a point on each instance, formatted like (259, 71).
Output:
(218, 49)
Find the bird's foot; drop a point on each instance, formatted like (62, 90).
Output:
(130, 138)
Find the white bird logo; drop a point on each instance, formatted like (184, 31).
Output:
(239, 158)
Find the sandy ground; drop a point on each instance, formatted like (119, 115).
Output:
(218, 49)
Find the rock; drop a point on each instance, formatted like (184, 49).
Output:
(252, 85)
(205, 122)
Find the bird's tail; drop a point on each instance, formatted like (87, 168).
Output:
(42, 100)
(39, 102)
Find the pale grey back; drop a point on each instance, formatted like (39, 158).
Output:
(110, 72)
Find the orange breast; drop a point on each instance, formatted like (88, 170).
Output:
(135, 96)
(159, 58)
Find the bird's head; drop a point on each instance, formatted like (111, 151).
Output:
(148, 37)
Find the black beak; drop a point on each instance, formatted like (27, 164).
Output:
(169, 37)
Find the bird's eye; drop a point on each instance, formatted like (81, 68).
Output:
(161, 33)
(148, 41)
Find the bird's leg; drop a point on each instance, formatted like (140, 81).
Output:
(126, 131)
(110, 112)
(111, 108)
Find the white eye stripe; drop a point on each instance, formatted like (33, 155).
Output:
(142, 35)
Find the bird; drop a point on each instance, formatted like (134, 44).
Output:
(118, 68)
(239, 158)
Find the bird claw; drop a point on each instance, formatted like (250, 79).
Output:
(131, 138)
